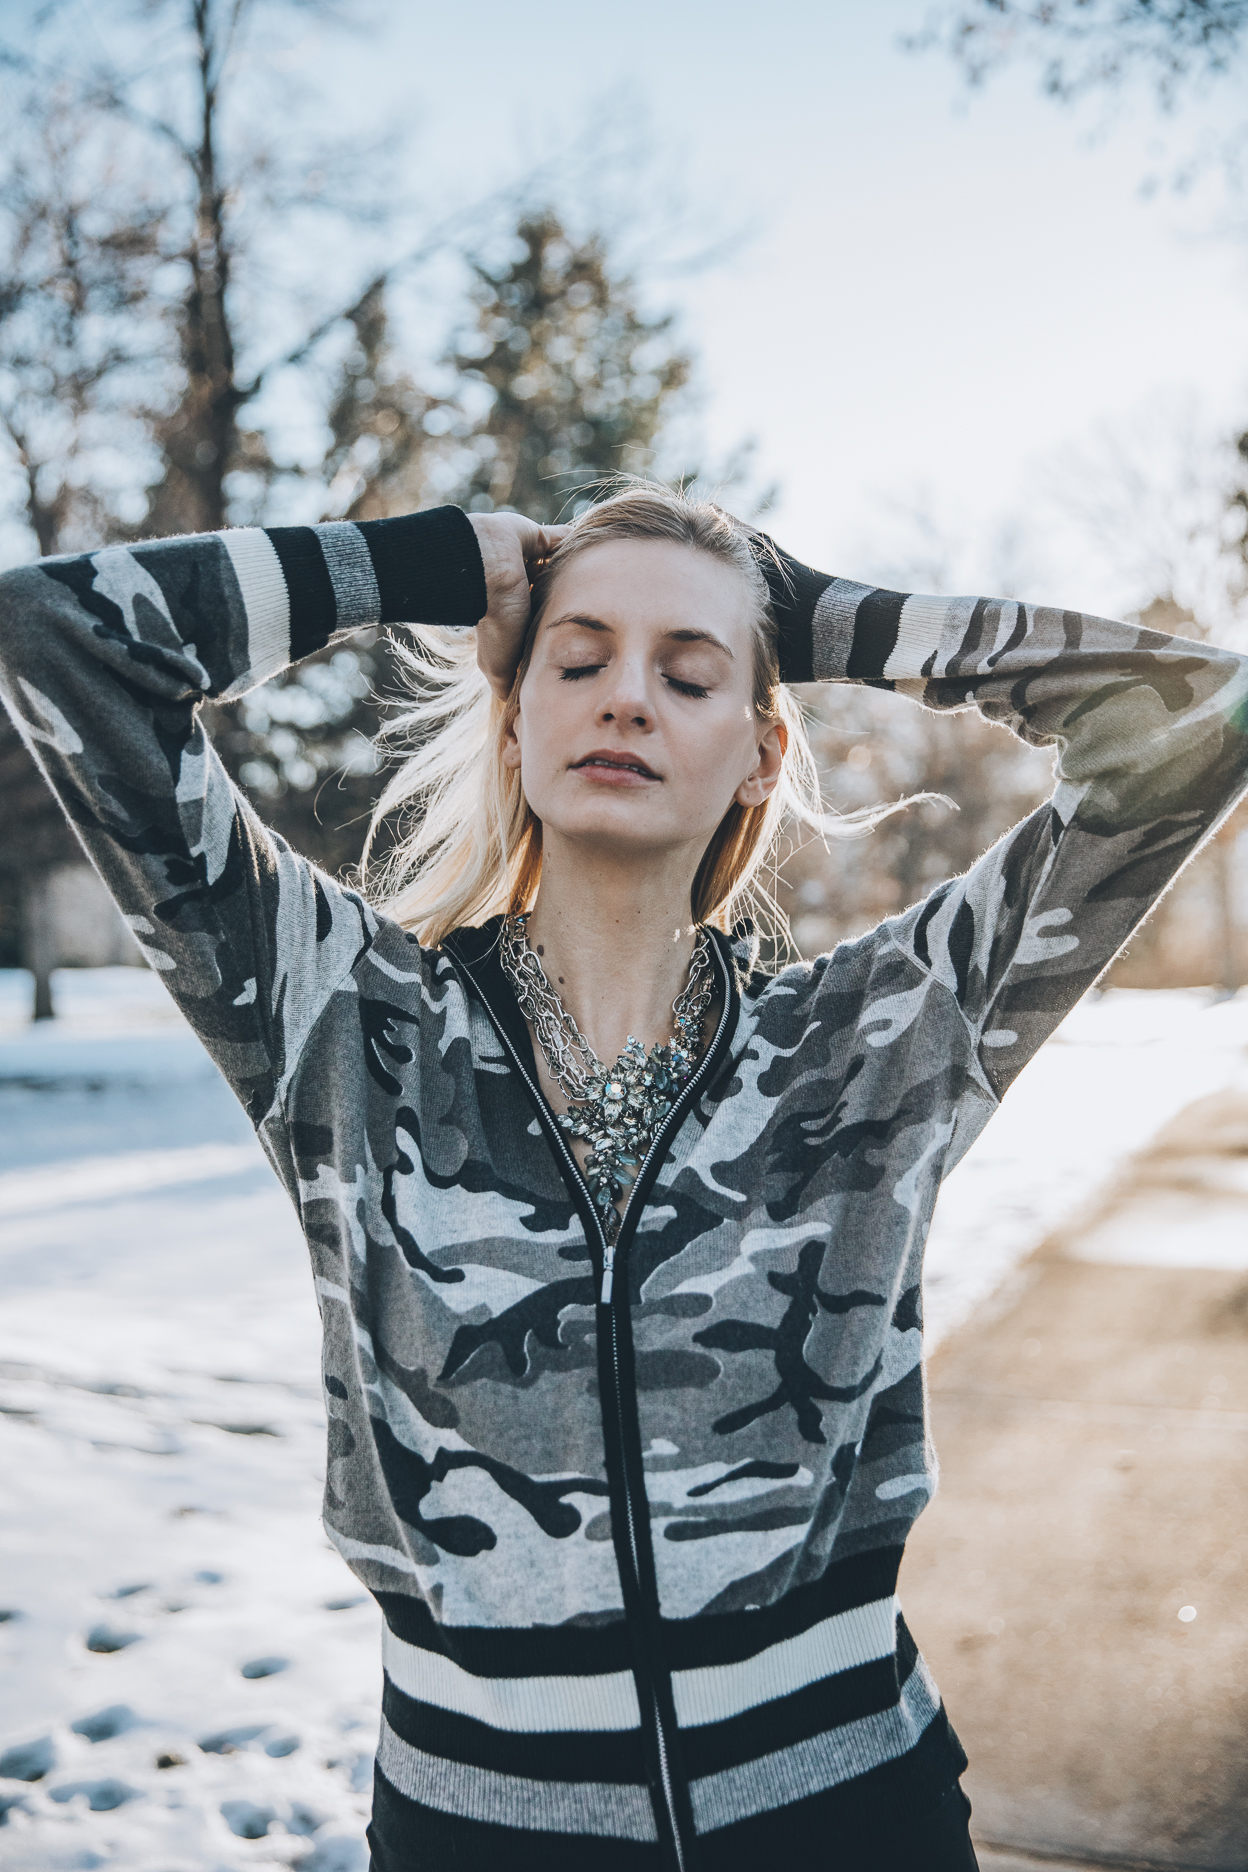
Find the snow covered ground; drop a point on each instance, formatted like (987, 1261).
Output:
(1120, 1067)
(189, 1676)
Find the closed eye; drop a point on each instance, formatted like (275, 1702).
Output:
(574, 671)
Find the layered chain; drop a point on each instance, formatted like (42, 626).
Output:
(617, 1110)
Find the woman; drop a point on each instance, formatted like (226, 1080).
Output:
(626, 1412)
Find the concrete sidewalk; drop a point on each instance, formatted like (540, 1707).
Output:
(1079, 1584)
(990, 1860)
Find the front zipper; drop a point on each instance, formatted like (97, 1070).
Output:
(660, 1737)
(609, 1250)
(676, 1115)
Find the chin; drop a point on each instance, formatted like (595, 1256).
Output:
(609, 823)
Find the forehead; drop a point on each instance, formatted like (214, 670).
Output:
(655, 585)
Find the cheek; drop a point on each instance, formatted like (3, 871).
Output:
(543, 726)
(715, 753)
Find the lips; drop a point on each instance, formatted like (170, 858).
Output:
(609, 761)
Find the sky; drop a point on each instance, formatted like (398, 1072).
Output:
(963, 341)
(942, 297)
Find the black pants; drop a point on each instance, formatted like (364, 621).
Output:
(937, 1842)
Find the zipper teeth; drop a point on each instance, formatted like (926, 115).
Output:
(668, 1122)
(666, 1776)
(628, 1500)
(665, 1772)
(555, 1133)
(608, 1250)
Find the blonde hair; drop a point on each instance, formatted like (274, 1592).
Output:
(469, 845)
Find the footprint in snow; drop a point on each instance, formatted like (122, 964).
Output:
(341, 1853)
(102, 1796)
(237, 1429)
(345, 1605)
(303, 1819)
(358, 1770)
(104, 1639)
(28, 1761)
(7, 1613)
(264, 1667)
(106, 1723)
(230, 1741)
(246, 1820)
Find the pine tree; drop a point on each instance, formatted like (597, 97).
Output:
(302, 744)
(581, 380)
(382, 424)
(580, 384)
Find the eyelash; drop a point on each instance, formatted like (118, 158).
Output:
(575, 671)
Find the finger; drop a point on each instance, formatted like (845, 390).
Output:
(548, 538)
(499, 680)
(497, 658)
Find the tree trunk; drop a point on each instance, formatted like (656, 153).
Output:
(1229, 972)
(199, 441)
(39, 940)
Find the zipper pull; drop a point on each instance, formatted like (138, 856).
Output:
(608, 1268)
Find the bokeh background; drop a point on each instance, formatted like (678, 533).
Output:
(949, 297)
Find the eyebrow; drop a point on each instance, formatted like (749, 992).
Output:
(673, 636)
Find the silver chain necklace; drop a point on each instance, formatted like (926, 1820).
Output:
(617, 1110)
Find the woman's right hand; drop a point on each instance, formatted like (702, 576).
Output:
(513, 551)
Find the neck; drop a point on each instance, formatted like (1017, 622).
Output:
(615, 944)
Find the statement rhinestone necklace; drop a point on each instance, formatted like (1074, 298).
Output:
(617, 1110)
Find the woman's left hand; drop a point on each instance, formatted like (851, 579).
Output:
(513, 550)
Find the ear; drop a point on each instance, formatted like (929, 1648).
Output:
(511, 743)
(760, 782)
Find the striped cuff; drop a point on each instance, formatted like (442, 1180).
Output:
(795, 592)
(830, 629)
(422, 568)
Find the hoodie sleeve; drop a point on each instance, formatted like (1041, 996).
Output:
(1151, 736)
(104, 660)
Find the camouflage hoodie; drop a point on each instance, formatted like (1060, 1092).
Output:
(637, 1560)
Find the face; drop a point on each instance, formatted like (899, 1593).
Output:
(636, 727)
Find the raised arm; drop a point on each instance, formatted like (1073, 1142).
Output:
(1151, 734)
(104, 660)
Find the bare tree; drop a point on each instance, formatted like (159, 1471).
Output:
(216, 328)
(134, 207)
(80, 335)
(1084, 48)
(79, 345)
(1085, 45)
(874, 749)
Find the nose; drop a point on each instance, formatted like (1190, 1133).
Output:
(627, 702)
